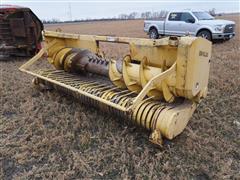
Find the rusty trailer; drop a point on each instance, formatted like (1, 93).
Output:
(20, 31)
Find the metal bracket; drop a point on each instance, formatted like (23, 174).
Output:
(150, 85)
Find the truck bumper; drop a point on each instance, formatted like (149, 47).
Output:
(146, 30)
(223, 35)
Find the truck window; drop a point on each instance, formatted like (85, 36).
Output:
(174, 16)
(186, 17)
(203, 16)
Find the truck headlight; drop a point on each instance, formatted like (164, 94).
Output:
(219, 27)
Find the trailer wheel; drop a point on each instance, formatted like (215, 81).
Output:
(153, 33)
(205, 34)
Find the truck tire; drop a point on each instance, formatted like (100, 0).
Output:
(205, 34)
(153, 33)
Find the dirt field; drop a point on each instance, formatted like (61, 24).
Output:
(49, 135)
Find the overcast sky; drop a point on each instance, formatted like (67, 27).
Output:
(60, 9)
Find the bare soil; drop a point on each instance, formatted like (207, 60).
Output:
(47, 134)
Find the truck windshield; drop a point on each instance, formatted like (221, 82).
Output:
(203, 16)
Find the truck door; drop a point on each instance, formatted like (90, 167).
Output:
(172, 24)
(180, 24)
(187, 25)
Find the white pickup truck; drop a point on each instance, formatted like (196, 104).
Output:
(194, 23)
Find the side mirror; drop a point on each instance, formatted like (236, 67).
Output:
(190, 21)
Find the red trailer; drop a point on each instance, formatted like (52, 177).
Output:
(20, 31)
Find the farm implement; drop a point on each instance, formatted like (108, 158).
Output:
(157, 85)
(20, 31)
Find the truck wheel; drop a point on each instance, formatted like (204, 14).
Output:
(153, 33)
(205, 34)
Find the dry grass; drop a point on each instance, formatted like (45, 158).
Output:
(47, 135)
(129, 28)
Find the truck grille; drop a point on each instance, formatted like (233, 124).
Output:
(229, 28)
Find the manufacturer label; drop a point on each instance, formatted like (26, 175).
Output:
(203, 53)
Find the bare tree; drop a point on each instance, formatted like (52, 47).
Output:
(132, 15)
(148, 14)
(163, 14)
(123, 16)
(212, 12)
(143, 15)
(155, 15)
